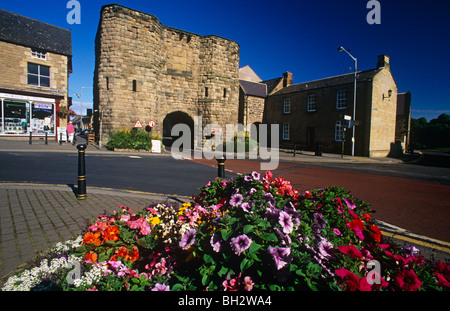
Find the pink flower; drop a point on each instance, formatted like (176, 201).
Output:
(248, 283)
(125, 218)
(336, 231)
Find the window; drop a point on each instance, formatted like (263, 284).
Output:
(341, 99)
(312, 104)
(287, 106)
(285, 134)
(134, 86)
(38, 75)
(206, 91)
(339, 131)
(39, 54)
(224, 92)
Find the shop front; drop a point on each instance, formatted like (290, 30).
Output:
(23, 114)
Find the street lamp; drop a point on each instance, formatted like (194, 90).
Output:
(340, 49)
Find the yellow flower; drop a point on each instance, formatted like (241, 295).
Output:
(155, 221)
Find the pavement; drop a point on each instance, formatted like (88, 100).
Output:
(34, 217)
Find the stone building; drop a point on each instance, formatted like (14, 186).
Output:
(313, 113)
(148, 71)
(35, 63)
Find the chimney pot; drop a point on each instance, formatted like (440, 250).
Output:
(383, 61)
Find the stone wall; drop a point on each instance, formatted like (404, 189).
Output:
(146, 71)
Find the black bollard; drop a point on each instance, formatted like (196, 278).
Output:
(81, 194)
(30, 141)
(221, 167)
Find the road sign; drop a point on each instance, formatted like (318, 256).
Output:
(151, 123)
(138, 124)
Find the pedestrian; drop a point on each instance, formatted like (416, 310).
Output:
(70, 132)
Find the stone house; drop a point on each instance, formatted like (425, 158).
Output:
(313, 113)
(148, 71)
(35, 63)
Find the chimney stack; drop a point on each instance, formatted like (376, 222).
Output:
(287, 79)
(383, 61)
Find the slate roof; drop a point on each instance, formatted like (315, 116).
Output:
(332, 81)
(31, 33)
(254, 88)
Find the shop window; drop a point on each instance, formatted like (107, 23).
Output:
(22, 117)
(38, 75)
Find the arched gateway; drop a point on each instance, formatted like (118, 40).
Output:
(173, 118)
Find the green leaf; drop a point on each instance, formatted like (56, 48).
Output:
(222, 271)
(254, 247)
(208, 258)
(269, 236)
(245, 264)
(248, 228)
(226, 234)
(205, 280)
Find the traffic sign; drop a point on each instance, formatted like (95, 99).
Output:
(151, 123)
(138, 124)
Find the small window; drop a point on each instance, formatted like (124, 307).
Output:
(107, 83)
(287, 106)
(341, 99)
(224, 92)
(285, 134)
(339, 131)
(206, 91)
(134, 86)
(39, 54)
(312, 103)
(38, 75)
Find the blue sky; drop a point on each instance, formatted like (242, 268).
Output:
(295, 35)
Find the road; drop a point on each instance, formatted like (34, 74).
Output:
(411, 196)
(157, 174)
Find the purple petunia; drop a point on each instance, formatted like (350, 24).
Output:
(281, 255)
(188, 239)
(285, 220)
(160, 288)
(240, 244)
(215, 242)
(236, 199)
(325, 248)
(256, 175)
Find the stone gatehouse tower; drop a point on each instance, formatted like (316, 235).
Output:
(147, 71)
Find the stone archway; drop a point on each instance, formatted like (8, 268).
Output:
(170, 121)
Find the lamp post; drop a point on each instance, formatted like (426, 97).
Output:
(340, 49)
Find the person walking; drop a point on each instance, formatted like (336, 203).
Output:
(71, 132)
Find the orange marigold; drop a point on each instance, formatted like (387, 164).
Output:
(91, 256)
(111, 233)
(91, 238)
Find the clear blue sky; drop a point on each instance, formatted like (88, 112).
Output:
(296, 35)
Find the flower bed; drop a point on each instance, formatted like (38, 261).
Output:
(250, 233)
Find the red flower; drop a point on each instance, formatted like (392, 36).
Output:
(350, 250)
(358, 227)
(376, 233)
(352, 281)
(444, 274)
(407, 280)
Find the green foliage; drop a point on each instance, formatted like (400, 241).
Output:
(433, 134)
(130, 139)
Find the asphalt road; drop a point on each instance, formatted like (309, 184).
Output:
(157, 174)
